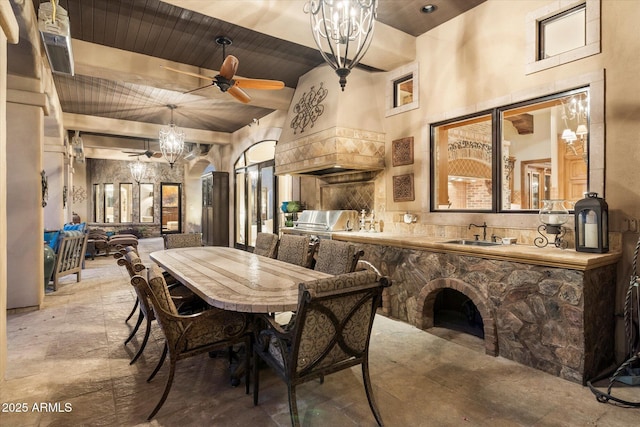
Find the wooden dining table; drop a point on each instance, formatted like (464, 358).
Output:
(237, 280)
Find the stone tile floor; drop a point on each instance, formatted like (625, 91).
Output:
(67, 366)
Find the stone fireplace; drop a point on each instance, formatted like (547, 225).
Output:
(555, 319)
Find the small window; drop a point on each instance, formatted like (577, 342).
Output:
(402, 91)
(563, 32)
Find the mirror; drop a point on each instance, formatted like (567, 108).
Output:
(109, 203)
(462, 164)
(543, 155)
(126, 202)
(146, 202)
(544, 151)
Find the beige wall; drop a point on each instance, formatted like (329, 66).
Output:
(8, 34)
(479, 58)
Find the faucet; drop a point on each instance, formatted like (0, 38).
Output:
(495, 238)
(484, 230)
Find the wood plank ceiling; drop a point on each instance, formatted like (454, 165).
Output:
(162, 30)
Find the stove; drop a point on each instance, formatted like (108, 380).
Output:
(322, 224)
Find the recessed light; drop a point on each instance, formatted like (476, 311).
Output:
(428, 8)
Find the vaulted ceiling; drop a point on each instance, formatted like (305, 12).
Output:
(119, 47)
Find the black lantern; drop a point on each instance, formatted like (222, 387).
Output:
(592, 224)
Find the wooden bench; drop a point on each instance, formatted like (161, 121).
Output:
(71, 252)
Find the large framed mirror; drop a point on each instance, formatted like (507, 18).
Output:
(146, 202)
(513, 157)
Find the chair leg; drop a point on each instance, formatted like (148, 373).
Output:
(369, 389)
(147, 332)
(248, 351)
(293, 406)
(133, 310)
(256, 378)
(160, 362)
(167, 388)
(135, 328)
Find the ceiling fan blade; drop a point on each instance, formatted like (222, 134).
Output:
(239, 94)
(229, 67)
(156, 155)
(259, 84)
(188, 73)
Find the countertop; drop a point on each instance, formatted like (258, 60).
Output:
(528, 254)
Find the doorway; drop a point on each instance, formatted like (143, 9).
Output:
(171, 207)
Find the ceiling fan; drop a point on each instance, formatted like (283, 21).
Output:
(225, 81)
(147, 152)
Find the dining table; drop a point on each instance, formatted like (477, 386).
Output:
(237, 280)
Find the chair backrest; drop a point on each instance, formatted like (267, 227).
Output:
(155, 290)
(131, 261)
(333, 322)
(294, 249)
(266, 245)
(182, 240)
(335, 257)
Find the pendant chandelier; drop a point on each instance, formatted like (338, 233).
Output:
(171, 140)
(343, 30)
(137, 169)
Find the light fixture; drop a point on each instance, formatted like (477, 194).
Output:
(171, 140)
(343, 30)
(137, 169)
(428, 8)
(575, 108)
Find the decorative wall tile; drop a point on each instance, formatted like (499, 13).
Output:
(403, 188)
(402, 151)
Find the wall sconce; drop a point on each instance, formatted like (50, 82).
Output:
(592, 224)
(552, 216)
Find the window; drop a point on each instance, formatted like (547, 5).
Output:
(126, 202)
(402, 91)
(562, 33)
(109, 203)
(146, 202)
(513, 157)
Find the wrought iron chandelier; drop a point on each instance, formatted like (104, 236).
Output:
(171, 140)
(343, 30)
(138, 170)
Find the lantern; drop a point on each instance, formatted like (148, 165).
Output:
(592, 224)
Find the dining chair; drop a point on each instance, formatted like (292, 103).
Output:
(336, 257)
(266, 245)
(182, 240)
(117, 255)
(331, 332)
(295, 250)
(188, 336)
(187, 301)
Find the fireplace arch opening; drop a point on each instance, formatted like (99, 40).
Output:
(454, 310)
(482, 307)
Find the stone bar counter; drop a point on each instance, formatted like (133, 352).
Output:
(547, 308)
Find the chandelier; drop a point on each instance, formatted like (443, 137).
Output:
(575, 109)
(171, 140)
(137, 169)
(343, 30)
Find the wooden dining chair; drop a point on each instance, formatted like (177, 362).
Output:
(266, 245)
(331, 332)
(188, 336)
(182, 240)
(295, 250)
(336, 257)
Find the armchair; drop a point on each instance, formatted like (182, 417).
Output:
(296, 250)
(331, 332)
(191, 335)
(182, 240)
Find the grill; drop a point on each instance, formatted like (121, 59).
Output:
(322, 224)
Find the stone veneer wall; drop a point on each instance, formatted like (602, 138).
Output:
(558, 320)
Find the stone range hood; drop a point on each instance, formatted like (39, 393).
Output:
(331, 133)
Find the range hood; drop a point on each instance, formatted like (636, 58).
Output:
(329, 132)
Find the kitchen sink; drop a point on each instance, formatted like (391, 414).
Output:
(473, 242)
